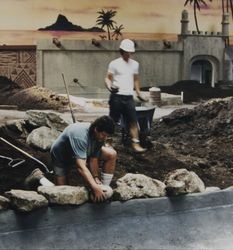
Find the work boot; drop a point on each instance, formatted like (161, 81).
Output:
(33, 179)
(137, 148)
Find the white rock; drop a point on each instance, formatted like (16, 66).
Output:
(42, 138)
(26, 201)
(212, 189)
(55, 120)
(4, 203)
(138, 186)
(182, 181)
(73, 195)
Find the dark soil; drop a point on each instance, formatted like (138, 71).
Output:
(193, 91)
(199, 139)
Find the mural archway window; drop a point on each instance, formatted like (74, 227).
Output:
(201, 71)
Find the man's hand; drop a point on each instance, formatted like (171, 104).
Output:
(142, 98)
(97, 180)
(114, 89)
(109, 84)
(99, 194)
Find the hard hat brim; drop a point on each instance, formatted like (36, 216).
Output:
(127, 50)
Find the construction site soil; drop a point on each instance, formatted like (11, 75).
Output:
(198, 139)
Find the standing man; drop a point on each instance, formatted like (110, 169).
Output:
(83, 145)
(121, 80)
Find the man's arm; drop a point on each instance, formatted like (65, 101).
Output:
(137, 88)
(109, 85)
(137, 85)
(86, 174)
(94, 168)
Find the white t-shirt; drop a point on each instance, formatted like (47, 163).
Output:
(123, 74)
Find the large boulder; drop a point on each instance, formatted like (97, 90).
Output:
(42, 138)
(107, 191)
(26, 201)
(182, 181)
(4, 203)
(65, 194)
(50, 119)
(16, 126)
(138, 186)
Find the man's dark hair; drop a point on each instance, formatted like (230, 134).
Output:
(103, 124)
(121, 51)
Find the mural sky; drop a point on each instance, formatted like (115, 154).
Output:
(147, 16)
(20, 19)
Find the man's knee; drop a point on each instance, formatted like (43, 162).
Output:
(109, 153)
(112, 154)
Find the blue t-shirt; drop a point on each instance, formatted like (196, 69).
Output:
(75, 142)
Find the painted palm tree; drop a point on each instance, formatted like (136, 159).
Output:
(117, 31)
(105, 19)
(226, 6)
(196, 6)
(103, 37)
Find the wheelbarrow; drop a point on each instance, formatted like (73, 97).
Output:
(144, 119)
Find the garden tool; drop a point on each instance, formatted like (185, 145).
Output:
(68, 97)
(13, 162)
(25, 153)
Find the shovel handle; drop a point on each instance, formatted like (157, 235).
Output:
(68, 97)
(13, 146)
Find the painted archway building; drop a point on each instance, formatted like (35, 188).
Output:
(206, 56)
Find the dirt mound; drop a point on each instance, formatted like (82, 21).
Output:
(212, 118)
(194, 91)
(30, 98)
(199, 139)
(202, 139)
(38, 98)
(7, 89)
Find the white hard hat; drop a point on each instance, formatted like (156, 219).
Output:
(127, 45)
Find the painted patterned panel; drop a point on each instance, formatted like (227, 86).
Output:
(27, 57)
(24, 74)
(4, 71)
(19, 66)
(8, 57)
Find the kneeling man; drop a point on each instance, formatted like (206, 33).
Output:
(83, 144)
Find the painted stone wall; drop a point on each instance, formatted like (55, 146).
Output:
(88, 63)
(18, 63)
(161, 63)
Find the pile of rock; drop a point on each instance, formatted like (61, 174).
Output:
(39, 128)
(131, 186)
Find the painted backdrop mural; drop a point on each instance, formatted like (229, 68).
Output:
(25, 21)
